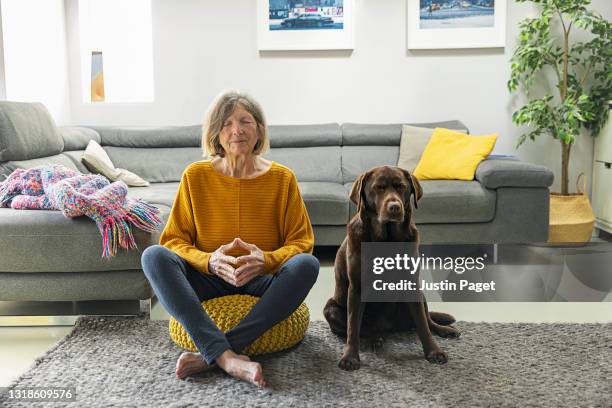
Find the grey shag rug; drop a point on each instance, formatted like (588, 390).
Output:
(128, 362)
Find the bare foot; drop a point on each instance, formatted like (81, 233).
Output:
(190, 363)
(241, 367)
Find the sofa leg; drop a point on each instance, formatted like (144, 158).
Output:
(495, 254)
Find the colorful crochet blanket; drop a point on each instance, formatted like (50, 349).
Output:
(56, 187)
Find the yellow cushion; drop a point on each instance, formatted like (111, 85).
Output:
(453, 155)
(228, 311)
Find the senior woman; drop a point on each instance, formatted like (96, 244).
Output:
(238, 226)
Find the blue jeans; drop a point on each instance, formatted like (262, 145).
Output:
(181, 289)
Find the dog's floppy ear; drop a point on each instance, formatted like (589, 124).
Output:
(415, 187)
(357, 195)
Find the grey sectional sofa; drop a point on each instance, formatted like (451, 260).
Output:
(45, 257)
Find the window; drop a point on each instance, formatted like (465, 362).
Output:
(116, 50)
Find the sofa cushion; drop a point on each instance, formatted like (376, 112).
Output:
(413, 142)
(156, 193)
(75, 157)
(328, 134)
(359, 159)
(310, 163)
(97, 160)
(27, 131)
(450, 201)
(150, 136)
(326, 203)
(46, 241)
(7, 168)
(77, 137)
(452, 155)
(157, 165)
(356, 134)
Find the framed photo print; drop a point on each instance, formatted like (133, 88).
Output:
(305, 24)
(456, 24)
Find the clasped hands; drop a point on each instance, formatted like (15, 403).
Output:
(237, 271)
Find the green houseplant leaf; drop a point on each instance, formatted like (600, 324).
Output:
(581, 72)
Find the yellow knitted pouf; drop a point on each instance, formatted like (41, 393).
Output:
(228, 311)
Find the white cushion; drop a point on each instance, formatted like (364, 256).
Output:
(97, 160)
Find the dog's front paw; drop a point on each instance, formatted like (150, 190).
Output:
(436, 356)
(349, 362)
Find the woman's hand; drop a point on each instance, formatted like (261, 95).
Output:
(251, 265)
(223, 265)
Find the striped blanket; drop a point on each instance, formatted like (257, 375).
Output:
(56, 187)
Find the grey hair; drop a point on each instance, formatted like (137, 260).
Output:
(219, 110)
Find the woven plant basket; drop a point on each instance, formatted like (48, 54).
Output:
(571, 217)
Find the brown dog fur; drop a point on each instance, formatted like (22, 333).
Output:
(384, 214)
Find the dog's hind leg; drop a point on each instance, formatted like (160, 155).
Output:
(439, 323)
(443, 319)
(336, 317)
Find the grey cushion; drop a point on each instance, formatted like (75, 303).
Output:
(75, 157)
(328, 134)
(509, 172)
(156, 165)
(450, 201)
(156, 193)
(10, 166)
(358, 159)
(355, 134)
(46, 241)
(310, 163)
(27, 131)
(77, 137)
(326, 203)
(150, 136)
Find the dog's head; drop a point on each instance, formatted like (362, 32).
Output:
(386, 191)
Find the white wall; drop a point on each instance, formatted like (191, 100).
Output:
(202, 47)
(35, 63)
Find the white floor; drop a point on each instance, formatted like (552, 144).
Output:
(19, 346)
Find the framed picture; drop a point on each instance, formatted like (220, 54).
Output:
(456, 24)
(305, 24)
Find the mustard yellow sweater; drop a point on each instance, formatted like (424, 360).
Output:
(211, 209)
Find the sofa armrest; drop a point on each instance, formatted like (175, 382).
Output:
(510, 172)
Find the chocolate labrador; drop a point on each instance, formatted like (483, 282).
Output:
(384, 214)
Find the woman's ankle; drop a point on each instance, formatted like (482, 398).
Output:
(225, 357)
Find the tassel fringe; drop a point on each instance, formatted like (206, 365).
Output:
(117, 231)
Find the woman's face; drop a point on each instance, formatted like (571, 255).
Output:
(239, 133)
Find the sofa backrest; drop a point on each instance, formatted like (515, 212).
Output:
(27, 131)
(157, 154)
(320, 152)
(311, 151)
(370, 145)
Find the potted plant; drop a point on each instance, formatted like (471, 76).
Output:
(581, 72)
